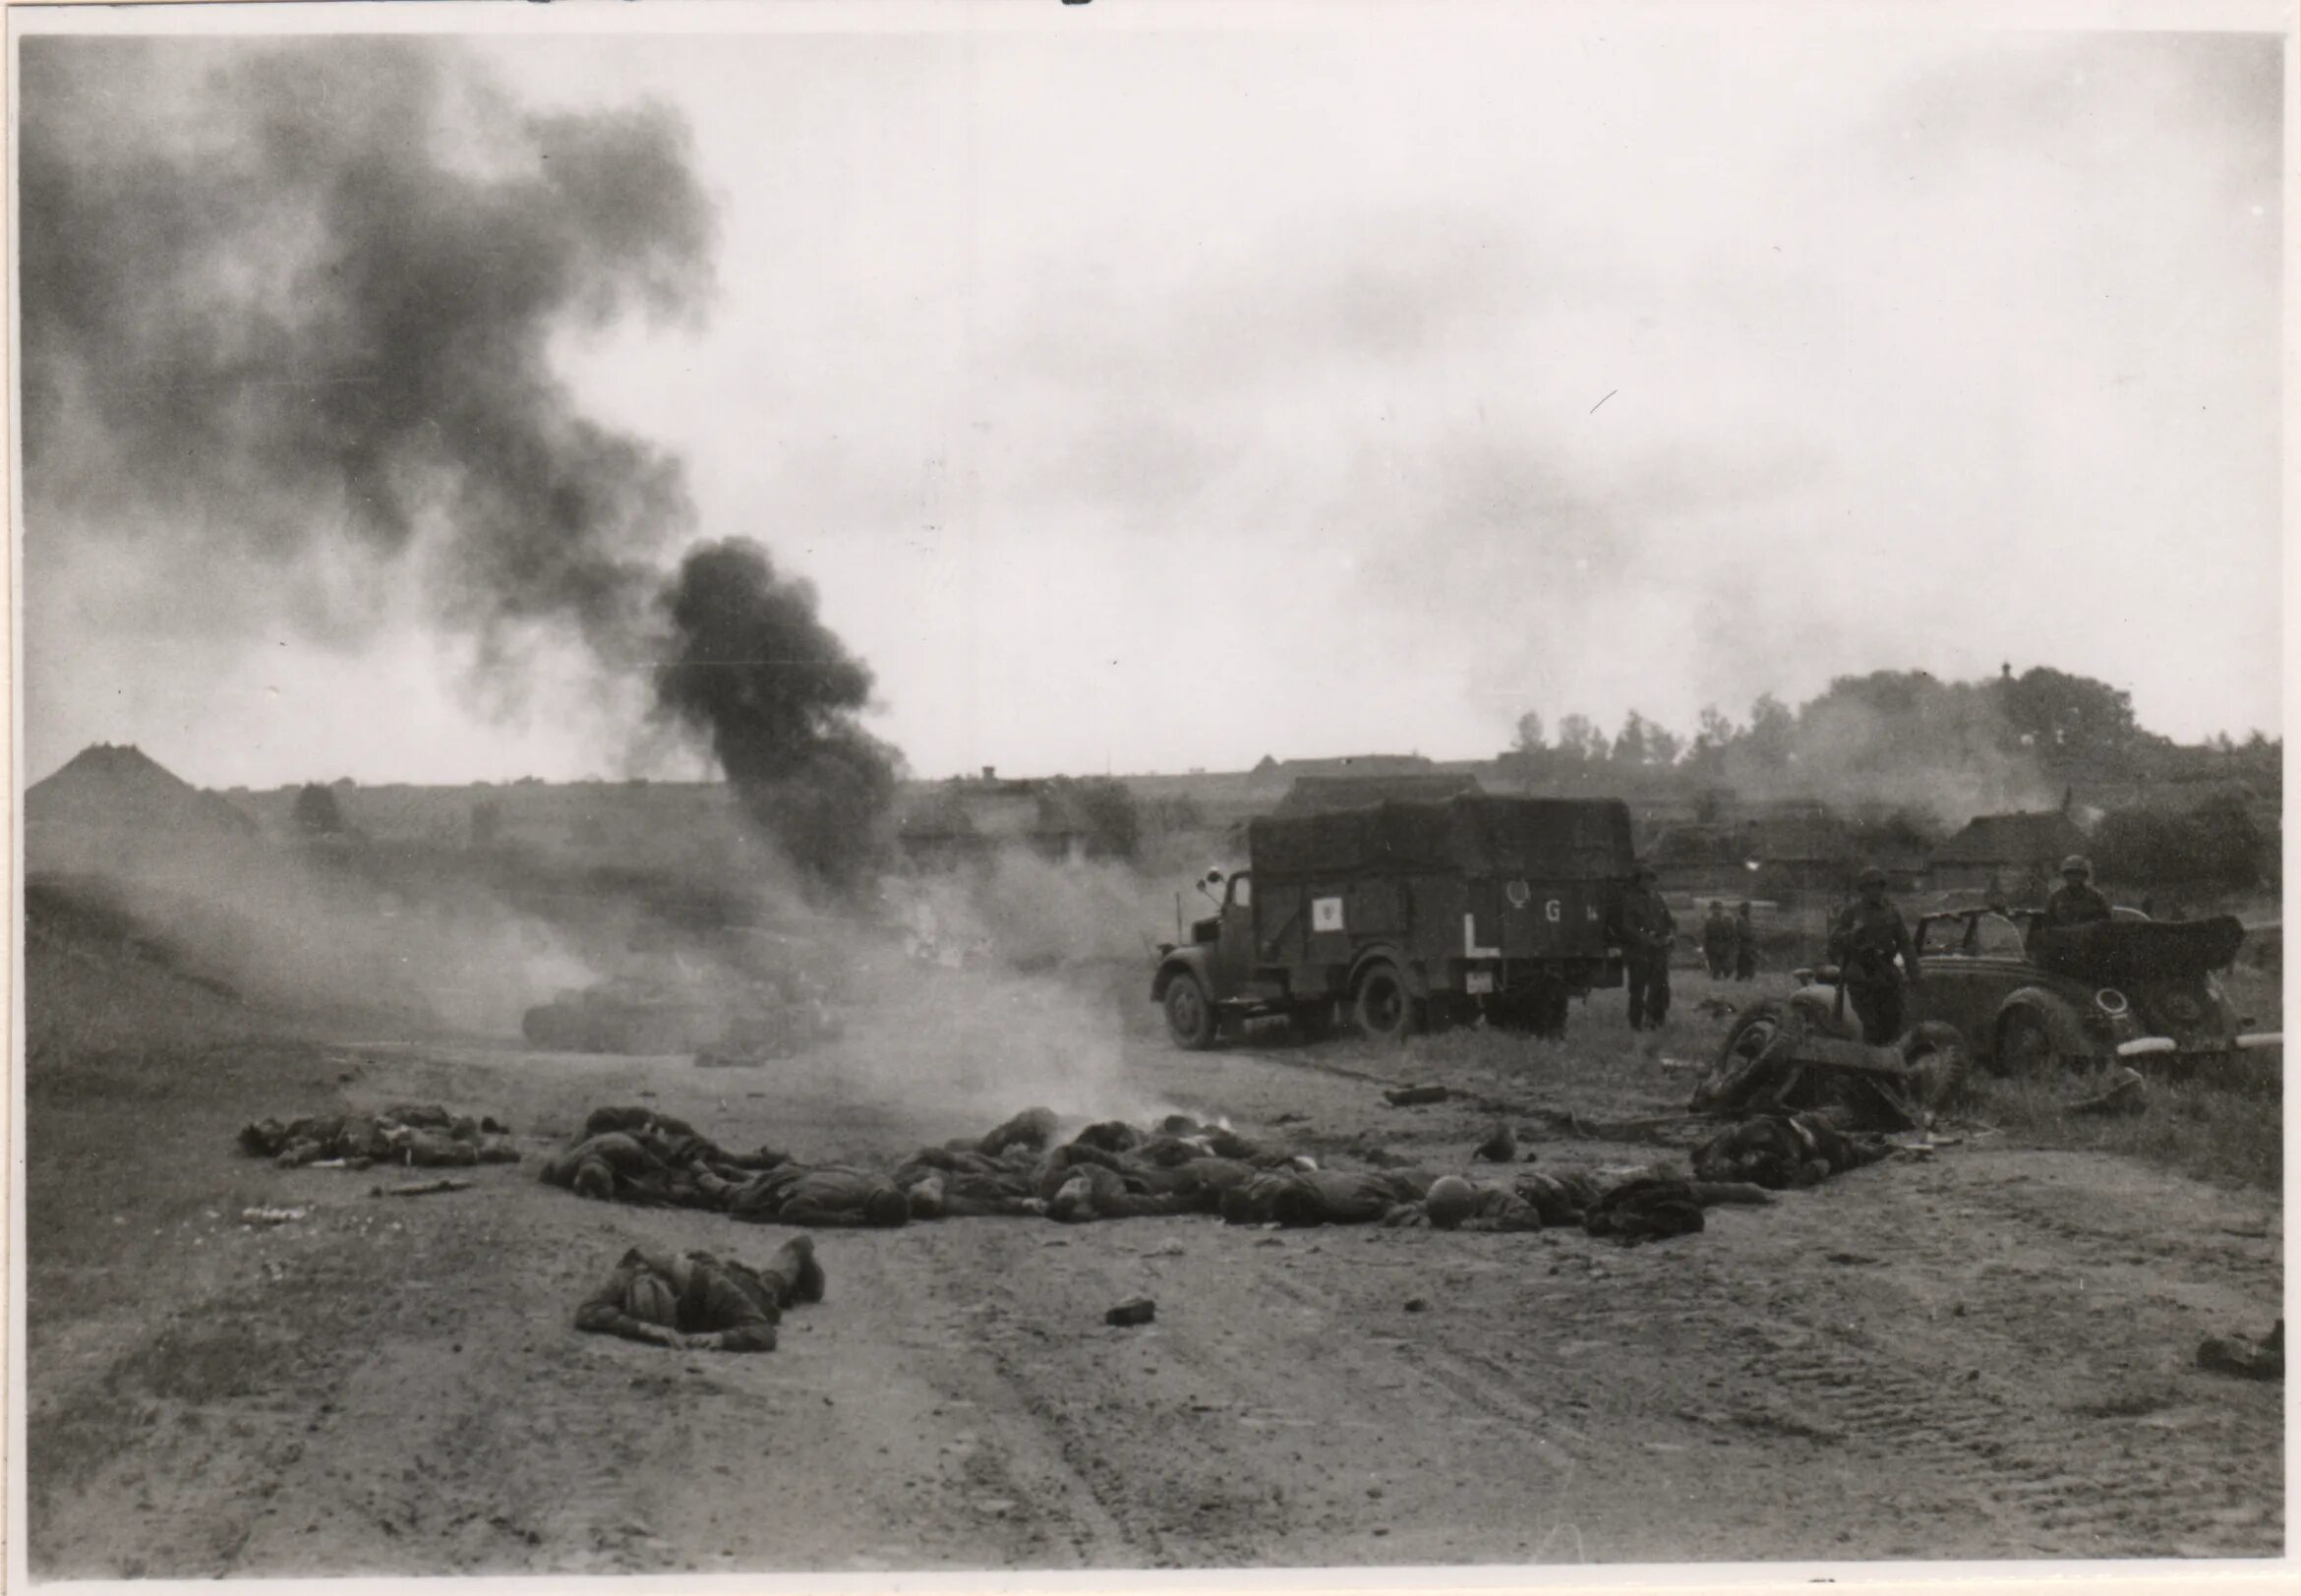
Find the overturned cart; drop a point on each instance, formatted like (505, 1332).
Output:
(1782, 1057)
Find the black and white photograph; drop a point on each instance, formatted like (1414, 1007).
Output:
(1047, 789)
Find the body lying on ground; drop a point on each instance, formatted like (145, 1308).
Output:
(700, 1301)
(1779, 1151)
(416, 1134)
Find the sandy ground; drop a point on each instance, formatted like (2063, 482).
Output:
(1988, 1355)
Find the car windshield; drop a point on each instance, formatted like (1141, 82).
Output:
(1995, 934)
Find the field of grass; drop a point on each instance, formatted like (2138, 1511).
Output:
(2226, 1125)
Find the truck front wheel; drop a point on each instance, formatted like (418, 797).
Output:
(1189, 1018)
(1382, 1007)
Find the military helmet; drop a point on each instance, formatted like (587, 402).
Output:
(1870, 876)
(2077, 865)
(1451, 1200)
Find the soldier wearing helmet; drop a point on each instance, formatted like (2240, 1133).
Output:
(1869, 936)
(2076, 902)
(1645, 930)
(695, 1301)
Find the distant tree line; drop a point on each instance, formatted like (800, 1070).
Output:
(2048, 719)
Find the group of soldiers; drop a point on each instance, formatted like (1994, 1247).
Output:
(1868, 940)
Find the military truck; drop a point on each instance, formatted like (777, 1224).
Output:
(1406, 916)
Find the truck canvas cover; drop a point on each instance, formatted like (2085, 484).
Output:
(1542, 839)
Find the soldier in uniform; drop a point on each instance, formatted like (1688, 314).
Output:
(694, 1301)
(1744, 944)
(1646, 931)
(2076, 902)
(1864, 941)
(1718, 941)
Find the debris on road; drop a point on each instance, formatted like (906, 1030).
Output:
(1500, 1145)
(422, 1188)
(2243, 1357)
(1417, 1305)
(1414, 1096)
(270, 1216)
(2126, 1093)
(1133, 1311)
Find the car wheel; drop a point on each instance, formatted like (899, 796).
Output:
(1383, 1008)
(2024, 1046)
(1936, 1058)
(1756, 1034)
(1189, 1018)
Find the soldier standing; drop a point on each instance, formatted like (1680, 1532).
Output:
(1718, 941)
(1646, 931)
(2076, 902)
(1865, 940)
(1744, 944)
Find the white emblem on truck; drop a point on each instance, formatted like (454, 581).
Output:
(1470, 947)
(1325, 914)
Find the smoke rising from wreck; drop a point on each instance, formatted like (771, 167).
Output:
(300, 306)
(750, 665)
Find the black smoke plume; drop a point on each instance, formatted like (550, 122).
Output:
(283, 296)
(286, 298)
(748, 663)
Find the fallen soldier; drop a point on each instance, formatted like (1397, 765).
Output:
(617, 1167)
(1033, 1129)
(1646, 1208)
(1456, 1204)
(1316, 1197)
(677, 1143)
(1093, 1191)
(405, 1134)
(1779, 1151)
(939, 1192)
(695, 1301)
(823, 1195)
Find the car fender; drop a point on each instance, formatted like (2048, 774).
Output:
(1387, 953)
(2051, 1009)
(1181, 961)
(1817, 1001)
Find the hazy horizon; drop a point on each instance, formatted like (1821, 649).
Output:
(1159, 401)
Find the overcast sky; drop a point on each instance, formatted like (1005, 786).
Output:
(1149, 401)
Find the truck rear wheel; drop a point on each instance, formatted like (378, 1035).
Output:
(1189, 1018)
(1382, 1007)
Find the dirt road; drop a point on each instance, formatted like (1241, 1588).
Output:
(1984, 1355)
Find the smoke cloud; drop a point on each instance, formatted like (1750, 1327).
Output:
(750, 665)
(300, 306)
(306, 296)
